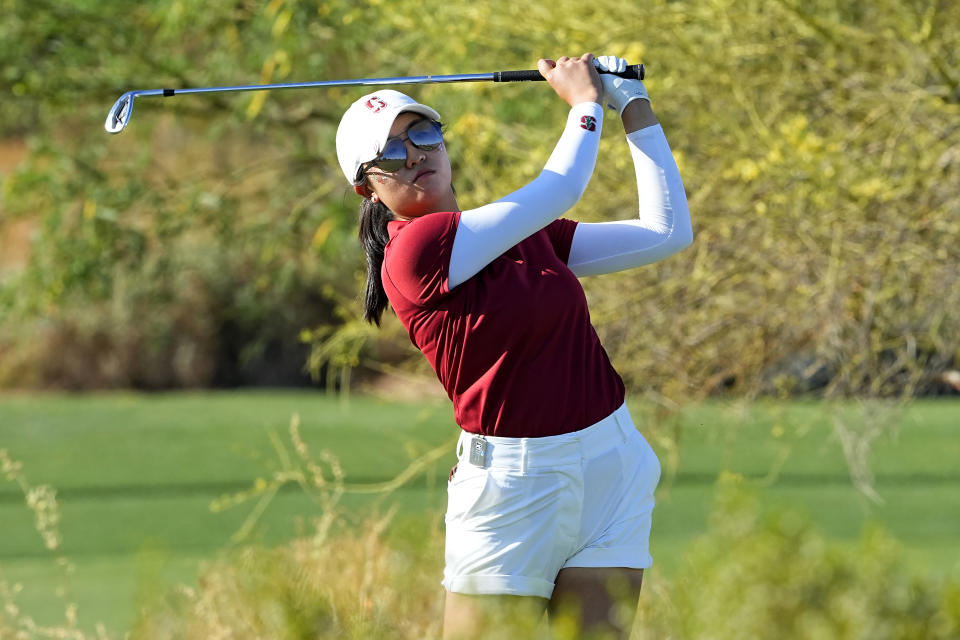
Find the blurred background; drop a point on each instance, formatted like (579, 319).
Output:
(175, 298)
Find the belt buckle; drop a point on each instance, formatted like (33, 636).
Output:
(478, 451)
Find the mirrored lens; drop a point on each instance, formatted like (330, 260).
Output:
(424, 134)
(393, 157)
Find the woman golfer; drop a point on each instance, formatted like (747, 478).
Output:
(550, 502)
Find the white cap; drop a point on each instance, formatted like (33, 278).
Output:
(365, 127)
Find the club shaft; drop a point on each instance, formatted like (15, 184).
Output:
(636, 71)
(461, 77)
(120, 114)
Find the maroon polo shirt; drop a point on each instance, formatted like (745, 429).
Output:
(513, 345)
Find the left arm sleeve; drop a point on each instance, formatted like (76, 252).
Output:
(663, 227)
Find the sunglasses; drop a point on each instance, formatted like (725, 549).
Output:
(423, 134)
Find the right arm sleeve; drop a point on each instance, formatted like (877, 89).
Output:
(485, 233)
(663, 226)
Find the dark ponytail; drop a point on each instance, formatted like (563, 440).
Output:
(374, 217)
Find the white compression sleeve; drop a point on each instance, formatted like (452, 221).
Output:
(663, 227)
(486, 232)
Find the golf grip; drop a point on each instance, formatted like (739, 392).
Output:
(633, 72)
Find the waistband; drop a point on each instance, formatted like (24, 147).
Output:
(550, 451)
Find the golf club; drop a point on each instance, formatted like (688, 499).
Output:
(119, 116)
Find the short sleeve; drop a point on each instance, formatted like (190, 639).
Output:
(560, 232)
(416, 261)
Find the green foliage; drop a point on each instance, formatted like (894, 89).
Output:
(818, 143)
(175, 263)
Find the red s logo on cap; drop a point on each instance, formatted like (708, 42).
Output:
(375, 104)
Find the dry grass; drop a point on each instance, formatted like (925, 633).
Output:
(352, 585)
(754, 574)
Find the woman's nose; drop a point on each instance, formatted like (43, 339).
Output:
(415, 155)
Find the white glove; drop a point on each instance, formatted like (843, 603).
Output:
(618, 92)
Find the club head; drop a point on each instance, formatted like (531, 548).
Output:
(119, 115)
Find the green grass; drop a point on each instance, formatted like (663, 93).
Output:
(136, 475)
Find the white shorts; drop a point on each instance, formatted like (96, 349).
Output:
(581, 499)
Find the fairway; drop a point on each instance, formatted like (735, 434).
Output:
(136, 475)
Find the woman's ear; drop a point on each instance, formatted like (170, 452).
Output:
(364, 190)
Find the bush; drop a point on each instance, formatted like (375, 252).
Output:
(346, 586)
(817, 140)
(753, 574)
(772, 575)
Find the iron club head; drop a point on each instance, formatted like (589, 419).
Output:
(119, 115)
